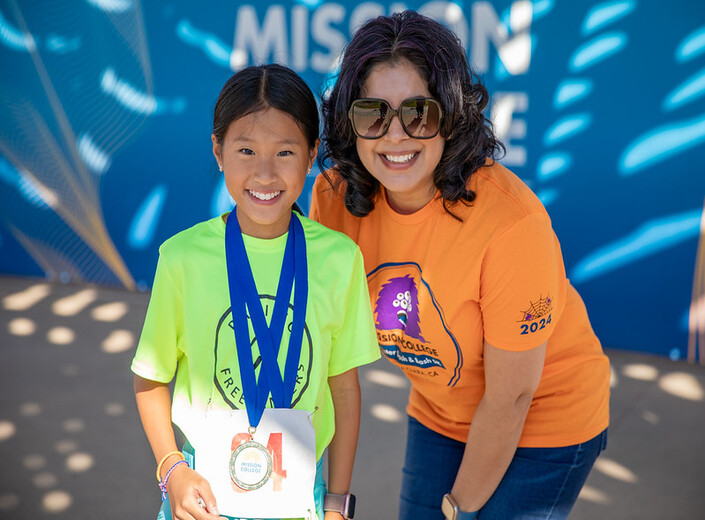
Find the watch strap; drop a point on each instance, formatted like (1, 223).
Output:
(343, 504)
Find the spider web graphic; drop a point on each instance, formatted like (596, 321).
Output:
(81, 85)
(537, 309)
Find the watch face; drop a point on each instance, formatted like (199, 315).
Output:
(350, 513)
(448, 507)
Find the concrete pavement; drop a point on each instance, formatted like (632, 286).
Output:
(71, 445)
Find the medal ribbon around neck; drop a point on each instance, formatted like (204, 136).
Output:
(244, 297)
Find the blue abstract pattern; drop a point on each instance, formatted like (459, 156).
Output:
(105, 126)
(146, 219)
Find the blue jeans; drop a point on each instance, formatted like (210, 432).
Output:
(540, 483)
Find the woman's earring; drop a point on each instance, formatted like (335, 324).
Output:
(220, 167)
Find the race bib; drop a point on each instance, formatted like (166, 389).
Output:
(267, 472)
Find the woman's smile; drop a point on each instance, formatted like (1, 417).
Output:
(401, 160)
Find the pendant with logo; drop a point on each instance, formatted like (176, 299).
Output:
(250, 465)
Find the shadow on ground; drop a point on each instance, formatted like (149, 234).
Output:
(72, 446)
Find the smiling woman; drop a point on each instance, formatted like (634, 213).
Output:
(466, 279)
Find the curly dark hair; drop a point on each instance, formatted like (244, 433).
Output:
(436, 53)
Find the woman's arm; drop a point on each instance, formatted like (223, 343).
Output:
(511, 378)
(345, 389)
(185, 486)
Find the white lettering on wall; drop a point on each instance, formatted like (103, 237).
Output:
(267, 43)
(325, 35)
(514, 51)
(255, 43)
(507, 128)
(449, 14)
(299, 37)
(363, 12)
(318, 38)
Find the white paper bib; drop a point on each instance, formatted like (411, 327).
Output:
(269, 474)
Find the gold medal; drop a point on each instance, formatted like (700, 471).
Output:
(250, 465)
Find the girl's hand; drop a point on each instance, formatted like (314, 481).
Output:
(185, 487)
(332, 515)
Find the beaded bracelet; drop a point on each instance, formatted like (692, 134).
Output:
(161, 462)
(162, 483)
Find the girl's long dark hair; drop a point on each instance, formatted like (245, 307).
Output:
(440, 59)
(260, 87)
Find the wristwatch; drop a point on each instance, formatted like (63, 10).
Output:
(343, 504)
(450, 509)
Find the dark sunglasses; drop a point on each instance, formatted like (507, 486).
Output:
(419, 117)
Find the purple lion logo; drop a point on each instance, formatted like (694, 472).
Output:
(397, 307)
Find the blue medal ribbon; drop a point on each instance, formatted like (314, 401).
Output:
(244, 297)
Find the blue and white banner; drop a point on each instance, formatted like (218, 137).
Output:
(106, 110)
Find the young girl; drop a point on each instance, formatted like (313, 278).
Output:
(258, 308)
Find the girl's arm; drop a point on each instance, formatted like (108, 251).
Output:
(184, 486)
(511, 378)
(345, 389)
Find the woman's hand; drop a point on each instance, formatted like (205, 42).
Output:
(332, 515)
(185, 487)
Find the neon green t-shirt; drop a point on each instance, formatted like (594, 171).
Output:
(188, 327)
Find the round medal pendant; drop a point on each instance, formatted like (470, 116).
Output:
(250, 465)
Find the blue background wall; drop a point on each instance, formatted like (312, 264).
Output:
(106, 106)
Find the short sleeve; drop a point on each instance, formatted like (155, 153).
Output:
(522, 285)
(158, 349)
(328, 208)
(355, 342)
(314, 213)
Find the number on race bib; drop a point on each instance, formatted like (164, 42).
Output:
(274, 446)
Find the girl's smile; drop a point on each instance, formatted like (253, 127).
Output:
(264, 196)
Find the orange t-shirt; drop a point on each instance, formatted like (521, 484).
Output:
(439, 287)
